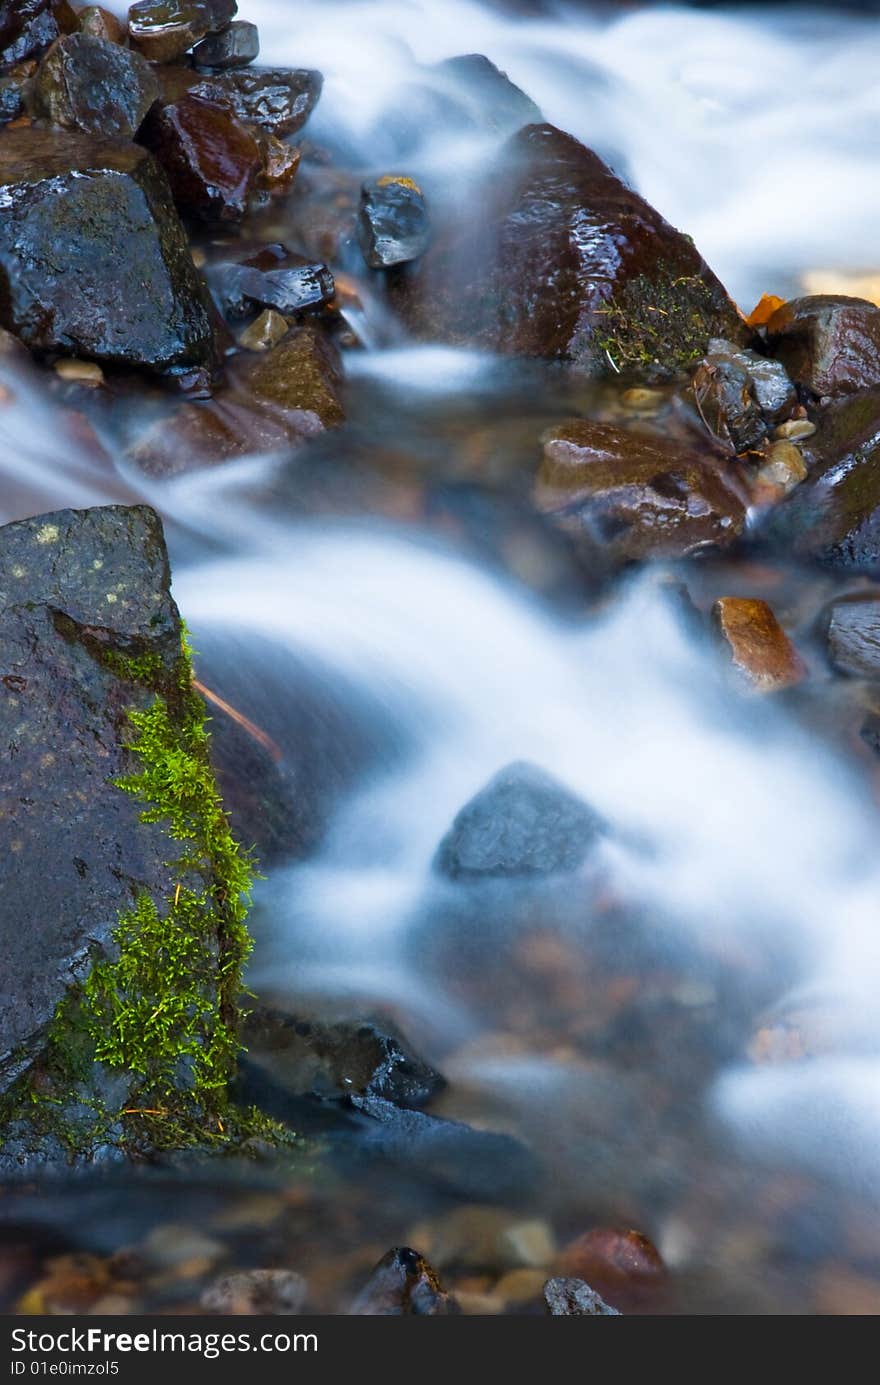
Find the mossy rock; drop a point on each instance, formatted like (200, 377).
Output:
(122, 919)
(555, 257)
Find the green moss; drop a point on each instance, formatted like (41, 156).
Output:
(134, 668)
(141, 1054)
(655, 328)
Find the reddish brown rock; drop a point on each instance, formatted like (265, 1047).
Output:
(624, 1267)
(828, 344)
(759, 648)
(211, 158)
(640, 496)
(164, 29)
(564, 261)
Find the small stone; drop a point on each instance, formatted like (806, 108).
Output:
(795, 429)
(294, 287)
(783, 468)
(854, 635)
(520, 1286)
(530, 1244)
(769, 382)
(624, 1266)
(235, 46)
(211, 158)
(572, 1298)
(280, 164)
(100, 23)
(172, 1244)
(82, 372)
(643, 401)
(94, 85)
(522, 823)
(393, 226)
(725, 397)
(264, 332)
(14, 86)
(256, 1293)
(403, 1284)
(829, 344)
(759, 648)
(165, 29)
(764, 309)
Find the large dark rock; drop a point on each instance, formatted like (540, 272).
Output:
(337, 1061)
(164, 29)
(27, 26)
(641, 496)
(278, 99)
(833, 518)
(274, 278)
(93, 259)
(403, 1284)
(854, 634)
(211, 158)
(561, 260)
(524, 822)
(236, 46)
(94, 85)
(78, 591)
(827, 343)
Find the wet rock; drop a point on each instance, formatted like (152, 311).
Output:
(759, 647)
(624, 1267)
(854, 635)
(833, 518)
(491, 99)
(256, 1293)
(264, 332)
(87, 373)
(280, 163)
(870, 732)
(96, 266)
(14, 88)
(403, 1284)
(572, 1298)
(829, 345)
(783, 467)
(93, 85)
(393, 225)
(278, 99)
(211, 158)
(295, 286)
(333, 1062)
(235, 46)
(726, 400)
(795, 430)
(640, 496)
(524, 822)
(566, 262)
(100, 23)
(773, 390)
(165, 29)
(28, 26)
(78, 590)
(302, 374)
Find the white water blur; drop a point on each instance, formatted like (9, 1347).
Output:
(756, 132)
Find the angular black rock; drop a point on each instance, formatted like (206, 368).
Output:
(726, 398)
(93, 258)
(77, 589)
(93, 85)
(393, 226)
(403, 1284)
(773, 390)
(28, 26)
(334, 1062)
(236, 46)
(854, 635)
(240, 289)
(573, 1298)
(524, 822)
(278, 99)
(14, 86)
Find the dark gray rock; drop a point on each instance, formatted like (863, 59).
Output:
(403, 1284)
(854, 635)
(727, 401)
(14, 86)
(93, 85)
(296, 285)
(78, 589)
(393, 225)
(28, 26)
(236, 46)
(773, 390)
(491, 99)
(573, 1298)
(334, 1062)
(278, 99)
(524, 822)
(93, 258)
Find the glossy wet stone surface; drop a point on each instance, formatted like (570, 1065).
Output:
(212, 160)
(279, 99)
(236, 46)
(393, 225)
(94, 85)
(830, 345)
(759, 648)
(76, 253)
(165, 29)
(27, 26)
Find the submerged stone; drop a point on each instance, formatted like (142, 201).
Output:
(211, 158)
(236, 46)
(393, 226)
(828, 344)
(640, 496)
(523, 823)
(564, 261)
(490, 97)
(93, 259)
(94, 85)
(164, 29)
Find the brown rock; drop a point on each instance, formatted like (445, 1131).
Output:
(212, 160)
(828, 344)
(622, 1266)
(264, 332)
(565, 262)
(403, 1284)
(93, 85)
(759, 648)
(641, 496)
(100, 23)
(164, 29)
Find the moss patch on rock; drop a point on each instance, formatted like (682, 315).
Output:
(654, 327)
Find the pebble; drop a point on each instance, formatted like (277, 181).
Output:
(795, 429)
(759, 648)
(236, 46)
(781, 471)
(520, 1286)
(642, 400)
(87, 373)
(264, 332)
(528, 1243)
(256, 1293)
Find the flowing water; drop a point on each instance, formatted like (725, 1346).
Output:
(609, 1025)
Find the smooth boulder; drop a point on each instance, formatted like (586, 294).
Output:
(93, 259)
(829, 344)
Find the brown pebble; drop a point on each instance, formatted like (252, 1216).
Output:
(623, 1267)
(87, 373)
(264, 332)
(795, 429)
(642, 400)
(759, 648)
